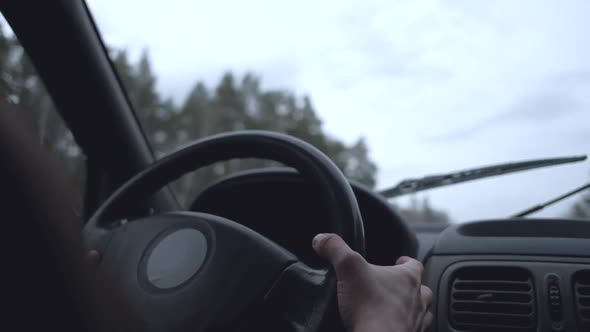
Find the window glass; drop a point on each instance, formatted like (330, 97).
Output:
(22, 88)
(389, 90)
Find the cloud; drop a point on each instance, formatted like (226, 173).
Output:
(539, 108)
(559, 96)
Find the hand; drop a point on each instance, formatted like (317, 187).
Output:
(377, 298)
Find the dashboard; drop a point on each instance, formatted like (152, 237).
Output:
(516, 275)
(511, 275)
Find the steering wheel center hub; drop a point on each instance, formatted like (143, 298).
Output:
(174, 257)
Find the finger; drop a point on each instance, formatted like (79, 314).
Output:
(338, 253)
(427, 321)
(426, 295)
(330, 246)
(411, 264)
(402, 260)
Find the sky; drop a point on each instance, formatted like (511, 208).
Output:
(434, 86)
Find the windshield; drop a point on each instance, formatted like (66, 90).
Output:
(390, 90)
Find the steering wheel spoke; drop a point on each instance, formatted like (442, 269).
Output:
(301, 295)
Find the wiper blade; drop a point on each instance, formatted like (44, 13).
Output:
(434, 181)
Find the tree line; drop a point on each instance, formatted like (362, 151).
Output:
(237, 102)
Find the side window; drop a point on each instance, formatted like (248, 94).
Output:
(22, 88)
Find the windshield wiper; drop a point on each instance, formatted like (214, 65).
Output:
(434, 181)
(541, 206)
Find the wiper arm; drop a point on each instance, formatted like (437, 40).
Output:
(434, 181)
(540, 207)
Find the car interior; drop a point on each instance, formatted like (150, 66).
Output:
(251, 265)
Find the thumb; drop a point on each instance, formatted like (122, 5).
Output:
(333, 248)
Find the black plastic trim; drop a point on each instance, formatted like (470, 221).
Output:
(542, 237)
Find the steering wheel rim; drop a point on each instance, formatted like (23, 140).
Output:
(345, 217)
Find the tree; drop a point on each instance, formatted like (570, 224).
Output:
(194, 114)
(581, 209)
(192, 124)
(139, 82)
(354, 161)
(421, 211)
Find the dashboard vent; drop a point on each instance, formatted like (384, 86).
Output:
(487, 298)
(582, 295)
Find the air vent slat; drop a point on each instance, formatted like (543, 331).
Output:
(489, 320)
(581, 281)
(524, 304)
(492, 285)
(493, 307)
(460, 280)
(488, 298)
(498, 296)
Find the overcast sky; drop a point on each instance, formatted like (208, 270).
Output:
(434, 86)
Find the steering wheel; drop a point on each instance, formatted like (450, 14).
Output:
(196, 271)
